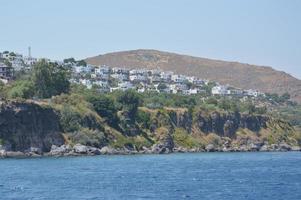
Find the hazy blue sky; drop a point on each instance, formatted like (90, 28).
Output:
(265, 32)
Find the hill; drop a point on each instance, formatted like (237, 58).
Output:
(241, 75)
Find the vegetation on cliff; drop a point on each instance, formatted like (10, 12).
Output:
(137, 122)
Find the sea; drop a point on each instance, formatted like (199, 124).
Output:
(252, 176)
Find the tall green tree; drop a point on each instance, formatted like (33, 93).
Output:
(105, 107)
(129, 100)
(49, 79)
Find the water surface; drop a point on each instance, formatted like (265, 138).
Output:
(174, 176)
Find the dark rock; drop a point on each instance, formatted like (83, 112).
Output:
(284, 147)
(26, 125)
(94, 151)
(226, 125)
(296, 148)
(34, 150)
(15, 154)
(166, 145)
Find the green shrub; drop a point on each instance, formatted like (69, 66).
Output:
(105, 107)
(88, 137)
(70, 119)
(183, 139)
(21, 89)
(143, 118)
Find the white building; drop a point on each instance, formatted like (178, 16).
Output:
(196, 81)
(17, 64)
(82, 69)
(117, 70)
(101, 84)
(166, 76)
(138, 78)
(123, 86)
(5, 73)
(120, 77)
(178, 78)
(253, 93)
(29, 61)
(220, 90)
(86, 82)
(102, 70)
(138, 75)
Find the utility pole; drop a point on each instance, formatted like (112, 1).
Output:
(29, 52)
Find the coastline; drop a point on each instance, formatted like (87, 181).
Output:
(81, 150)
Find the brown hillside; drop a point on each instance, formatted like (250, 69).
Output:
(237, 74)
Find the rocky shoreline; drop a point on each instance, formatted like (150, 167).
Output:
(82, 150)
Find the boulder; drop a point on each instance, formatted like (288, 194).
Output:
(34, 150)
(2, 153)
(81, 149)
(274, 147)
(60, 150)
(244, 148)
(254, 147)
(180, 150)
(15, 154)
(226, 149)
(296, 148)
(284, 147)
(107, 150)
(264, 148)
(160, 148)
(210, 148)
(94, 151)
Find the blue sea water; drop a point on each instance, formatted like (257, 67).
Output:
(174, 176)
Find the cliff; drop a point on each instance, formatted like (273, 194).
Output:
(28, 126)
(35, 129)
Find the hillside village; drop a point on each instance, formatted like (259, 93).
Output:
(109, 79)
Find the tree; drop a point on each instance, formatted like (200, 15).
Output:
(49, 79)
(224, 104)
(212, 100)
(285, 97)
(69, 60)
(143, 118)
(129, 100)
(7, 63)
(250, 107)
(2, 90)
(60, 80)
(105, 107)
(81, 63)
(12, 54)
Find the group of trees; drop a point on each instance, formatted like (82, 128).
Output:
(48, 79)
(43, 81)
(278, 98)
(78, 63)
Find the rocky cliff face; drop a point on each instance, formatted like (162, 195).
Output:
(222, 124)
(24, 126)
(29, 129)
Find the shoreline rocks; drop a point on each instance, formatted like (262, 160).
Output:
(82, 150)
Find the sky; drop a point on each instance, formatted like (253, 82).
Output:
(262, 32)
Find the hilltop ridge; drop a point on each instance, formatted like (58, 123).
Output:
(245, 76)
